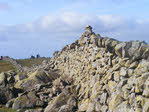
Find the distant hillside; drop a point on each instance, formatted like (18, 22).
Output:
(30, 62)
(4, 109)
(6, 66)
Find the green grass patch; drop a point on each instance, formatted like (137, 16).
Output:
(30, 62)
(4, 109)
(6, 66)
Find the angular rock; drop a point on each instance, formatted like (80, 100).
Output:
(91, 107)
(10, 103)
(62, 102)
(3, 78)
(84, 105)
(120, 49)
(115, 101)
(38, 77)
(28, 100)
(123, 72)
(5, 95)
(34, 110)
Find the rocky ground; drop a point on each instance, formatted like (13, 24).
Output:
(93, 74)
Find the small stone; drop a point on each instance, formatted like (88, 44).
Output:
(123, 107)
(138, 89)
(133, 65)
(116, 67)
(112, 86)
(128, 63)
(100, 42)
(146, 92)
(97, 107)
(130, 72)
(103, 98)
(117, 76)
(91, 107)
(84, 105)
(34, 110)
(104, 108)
(146, 106)
(123, 72)
(132, 98)
(120, 49)
(64, 108)
(139, 110)
(115, 101)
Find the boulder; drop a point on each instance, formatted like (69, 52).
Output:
(3, 78)
(64, 102)
(5, 95)
(84, 105)
(28, 100)
(120, 49)
(37, 77)
(65, 108)
(34, 110)
(10, 103)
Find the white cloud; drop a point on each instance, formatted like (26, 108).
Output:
(56, 30)
(69, 22)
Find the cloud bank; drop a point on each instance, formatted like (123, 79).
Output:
(52, 32)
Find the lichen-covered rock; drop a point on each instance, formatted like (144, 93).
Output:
(5, 95)
(3, 78)
(10, 103)
(84, 105)
(65, 108)
(120, 50)
(115, 101)
(123, 107)
(34, 110)
(146, 106)
(22, 76)
(64, 102)
(28, 100)
(37, 77)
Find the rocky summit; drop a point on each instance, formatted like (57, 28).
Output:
(93, 74)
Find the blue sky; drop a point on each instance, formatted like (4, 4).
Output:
(29, 27)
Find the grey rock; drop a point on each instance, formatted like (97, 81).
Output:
(3, 78)
(123, 107)
(10, 103)
(28, 100)
(62, 102)
(103, 98)
(34, 110)
(5, 95)
(22, 76)
(97, 107)
(91, 107)
(123, 72)
(120, 49)
(104, 108)
(65, 108)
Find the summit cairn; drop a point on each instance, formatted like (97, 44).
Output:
(88, 29)
(88, 35)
